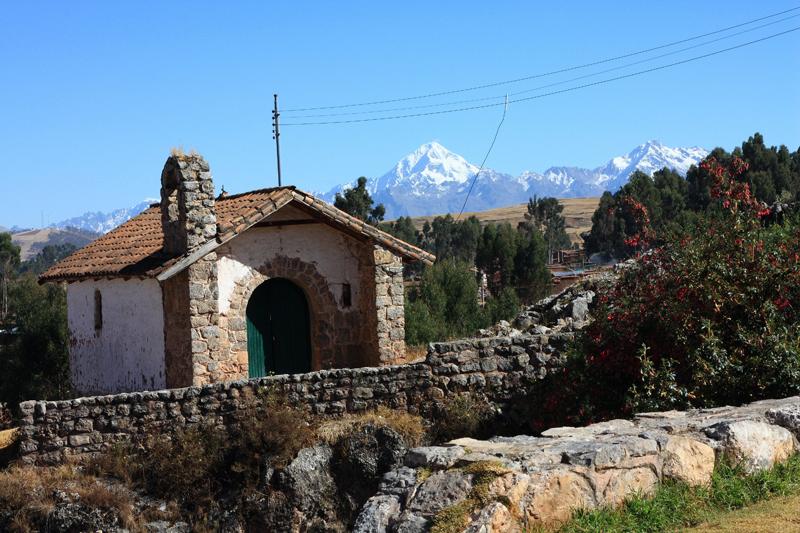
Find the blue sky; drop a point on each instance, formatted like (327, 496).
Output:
(94, 94)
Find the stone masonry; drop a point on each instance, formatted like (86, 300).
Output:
(189, 220)
(389, 306)
(526, 483)
(498, 368)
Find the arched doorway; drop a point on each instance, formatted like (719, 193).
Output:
(278, 326)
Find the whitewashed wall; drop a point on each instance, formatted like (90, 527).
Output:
(127, 354)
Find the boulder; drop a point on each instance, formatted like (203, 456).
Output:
(753, 444)
(494, 518)
(376, 514)
(688, 460)
(623, 483)
(787, 416)
(434, 457)
(363, 456)
(439, 491)
(555, 494)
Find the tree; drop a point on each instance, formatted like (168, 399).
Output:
(444, 305)
(9, 260)
(544, 215)
(496, 255)
(530, 266)
(49, 256)
(35, 363)
(402, 228)
(358, 202)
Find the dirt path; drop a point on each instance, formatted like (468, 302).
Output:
(770, 516)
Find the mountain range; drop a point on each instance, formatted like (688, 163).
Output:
(433, 180)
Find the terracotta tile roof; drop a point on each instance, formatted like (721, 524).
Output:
(136, 247)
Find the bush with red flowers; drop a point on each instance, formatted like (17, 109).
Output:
(709, 318)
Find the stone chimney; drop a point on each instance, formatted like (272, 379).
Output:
(188, 216)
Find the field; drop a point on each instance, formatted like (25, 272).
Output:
(577, 214)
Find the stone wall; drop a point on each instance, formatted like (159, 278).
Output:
(526, 483)
(498, 367)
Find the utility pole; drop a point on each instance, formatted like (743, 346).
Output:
(276, 134)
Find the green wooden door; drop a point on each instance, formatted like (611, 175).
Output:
(278, 333)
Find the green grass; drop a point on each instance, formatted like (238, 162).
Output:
(676, 505)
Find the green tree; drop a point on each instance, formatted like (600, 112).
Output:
(496, 255)
(49, 256)
(445, 304)
(533, 279)
(545, 215)
(34, 363)
(9, 260)
(402, 228)
(358, 202)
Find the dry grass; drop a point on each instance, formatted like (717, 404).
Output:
(27, 495)
(7, 438)
(410, 427)
(577, 215)
(413, 353)
(779, 514)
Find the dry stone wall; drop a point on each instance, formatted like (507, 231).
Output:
(498, 367)
(526, 482)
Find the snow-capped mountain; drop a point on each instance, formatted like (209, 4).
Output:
(434, 180)
(100, 222)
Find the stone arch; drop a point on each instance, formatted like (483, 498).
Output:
(322, 309)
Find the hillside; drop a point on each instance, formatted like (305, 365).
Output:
(577, 214)
(32, 241)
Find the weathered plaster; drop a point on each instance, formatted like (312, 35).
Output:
(127, 353)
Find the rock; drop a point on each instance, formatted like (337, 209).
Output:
(580, 309)
(786, 416)
(308, 479)
(756, 445)
(398, 481)
(688, 460)
(363, 456)
(494, 518)
(79, 517)
(162, 526)
(511, 487)
(376, 514)
(434, 457)
(626, 482)
(412, 523)
(555, 494)
(441, 490)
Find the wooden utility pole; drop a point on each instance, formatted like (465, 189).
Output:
(276, 134)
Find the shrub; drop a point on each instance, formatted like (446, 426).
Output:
(465, 415)
(708, 318)
(445, 305)
(27, 496)
(195, 465)
(410, 427)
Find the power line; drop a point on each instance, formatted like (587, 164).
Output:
(551, 93)
(489, 151)
(500, 97)
(525, 78)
